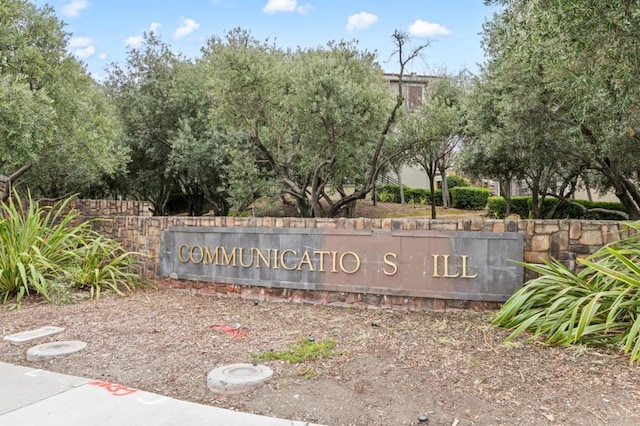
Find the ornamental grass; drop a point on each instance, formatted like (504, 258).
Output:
(48, 251)
(598, 305)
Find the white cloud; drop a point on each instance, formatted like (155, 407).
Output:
(137, 40)
(73, 8)
(360, 21)
(277, 6)
(103, 56)
(86, 52)
(422, 28)
(134, 41)
(82, 47)
(79, 42)
(304, 10)
(186, 27)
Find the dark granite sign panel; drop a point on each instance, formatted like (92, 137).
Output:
(438, 264)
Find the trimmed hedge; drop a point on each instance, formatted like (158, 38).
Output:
(468, 197)
(498, 207)
(391, 194)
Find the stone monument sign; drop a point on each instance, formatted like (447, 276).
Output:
(435, 264)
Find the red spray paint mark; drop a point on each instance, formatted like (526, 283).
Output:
(113, 389)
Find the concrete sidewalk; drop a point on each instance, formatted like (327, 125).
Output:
(31, 397)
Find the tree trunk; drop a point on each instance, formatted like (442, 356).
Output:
(432, 189)
(8, 181)
(445, 187)
(505, 192)
(400, 185)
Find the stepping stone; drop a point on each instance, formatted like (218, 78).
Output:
(236, 378)
(54, 350)
(31, 335)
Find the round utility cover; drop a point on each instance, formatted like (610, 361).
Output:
(236, 378)
(54, 350)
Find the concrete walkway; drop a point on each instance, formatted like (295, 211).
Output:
(31, 397)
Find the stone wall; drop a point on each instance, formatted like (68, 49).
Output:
(110, 208)
(565, 240)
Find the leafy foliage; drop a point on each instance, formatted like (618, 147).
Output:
(557, 100)
(599, 305)
(497, 206)
(575, 209)
(434, 131)
(44, 251)
(470, 198)
(57, 127)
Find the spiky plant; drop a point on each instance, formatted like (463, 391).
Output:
(599, 305)
(45, 247)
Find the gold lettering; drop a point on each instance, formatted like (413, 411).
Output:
(446, 268)
(391, 263)
(464, 268)
(191, 254)
(306, 260)
(275, 259)
(207, 256)
(181, 258)
(321, 254)
(342, 262)
(435, 266)
(221, 257)
(241, 257)
(266, 260)
(282, 262)
(334, 254)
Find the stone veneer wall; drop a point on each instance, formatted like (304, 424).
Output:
(110, 208)
(565, 240)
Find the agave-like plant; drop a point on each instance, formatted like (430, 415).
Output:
(44, 246)
(599, 305)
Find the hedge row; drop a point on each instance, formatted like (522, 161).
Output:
(461, 197)
(469, 198)
(498, 207)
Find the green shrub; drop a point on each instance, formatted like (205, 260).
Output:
(497, 207)
(469, 198)
(417, 196)
(455, 181)
(388, 193)
(521, 206)
(570, 211)
(599, 305)
(422, 196)
(44, 251)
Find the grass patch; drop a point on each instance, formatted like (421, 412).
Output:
(303, 350)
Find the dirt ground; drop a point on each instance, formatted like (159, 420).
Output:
(389, 367)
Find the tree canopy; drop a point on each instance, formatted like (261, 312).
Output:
(313, 116)
(557, 98)
(58, 134)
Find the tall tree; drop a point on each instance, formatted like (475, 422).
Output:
(434, 131)
(178, 151)
(568, 90)
(57, 130)
(317, 118)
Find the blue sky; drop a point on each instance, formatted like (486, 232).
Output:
(103, 30)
